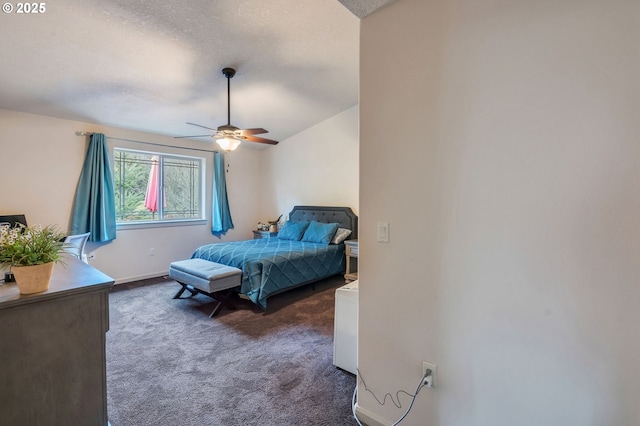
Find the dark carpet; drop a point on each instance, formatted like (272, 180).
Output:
(169, 364)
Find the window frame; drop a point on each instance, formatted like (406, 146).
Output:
(161, 223)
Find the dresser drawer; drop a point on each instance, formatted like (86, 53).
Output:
(351, 249)
(264, 234)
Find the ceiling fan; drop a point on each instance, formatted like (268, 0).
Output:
(227, 135)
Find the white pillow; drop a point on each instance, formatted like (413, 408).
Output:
(340, 235)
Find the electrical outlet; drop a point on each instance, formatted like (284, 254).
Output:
(152, 251)
(434, 369)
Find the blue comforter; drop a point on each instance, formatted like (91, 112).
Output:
(272, 265)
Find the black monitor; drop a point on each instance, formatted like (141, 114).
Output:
(13, 220)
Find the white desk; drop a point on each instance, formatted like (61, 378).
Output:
(345, 332)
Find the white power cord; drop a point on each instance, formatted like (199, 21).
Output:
(353, 405)
(425, 381)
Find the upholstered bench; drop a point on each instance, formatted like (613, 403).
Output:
(209, 278)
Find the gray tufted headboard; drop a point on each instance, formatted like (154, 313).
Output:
(344, 216)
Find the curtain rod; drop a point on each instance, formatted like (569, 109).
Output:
(148, 143)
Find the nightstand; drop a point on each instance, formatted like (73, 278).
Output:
(351, 250)
(264, 234)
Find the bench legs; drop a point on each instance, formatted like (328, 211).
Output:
(185, 287)
(222, 297)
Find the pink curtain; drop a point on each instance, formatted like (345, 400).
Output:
(151, 198)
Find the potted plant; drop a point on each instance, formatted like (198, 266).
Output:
(31, 253)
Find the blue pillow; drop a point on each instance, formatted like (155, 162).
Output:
(292, 231)
(320, 232)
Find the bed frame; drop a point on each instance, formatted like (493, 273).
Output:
(344, 216)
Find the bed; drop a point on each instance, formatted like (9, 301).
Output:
(273, 265)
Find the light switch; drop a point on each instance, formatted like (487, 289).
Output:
(383, 232)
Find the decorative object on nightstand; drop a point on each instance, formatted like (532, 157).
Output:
(273, 224)
(351, 250)
(267, 230)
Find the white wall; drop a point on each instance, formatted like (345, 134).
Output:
(513, 199)
(318, 166)
(41, 159)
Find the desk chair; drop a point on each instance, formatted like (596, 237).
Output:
(13, 220)
(75, 245)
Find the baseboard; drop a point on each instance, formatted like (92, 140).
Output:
(370, 419)
(141, 277)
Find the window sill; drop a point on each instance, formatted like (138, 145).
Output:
(125, 226)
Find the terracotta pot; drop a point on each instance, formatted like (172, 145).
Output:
(33, 279)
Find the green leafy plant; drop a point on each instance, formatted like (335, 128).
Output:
(27, 246)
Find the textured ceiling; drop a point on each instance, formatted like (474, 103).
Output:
(154, 65)
(362, 8)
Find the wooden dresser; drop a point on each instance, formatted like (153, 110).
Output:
(52, 350)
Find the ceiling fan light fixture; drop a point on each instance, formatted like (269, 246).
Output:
(228, 144)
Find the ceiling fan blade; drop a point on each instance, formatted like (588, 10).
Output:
(194, 136)
(256, 131)
(260, 140)
(204, 127)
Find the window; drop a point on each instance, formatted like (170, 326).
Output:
(156, 187)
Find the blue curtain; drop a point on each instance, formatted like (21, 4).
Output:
(95, 209)
(221, 216)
